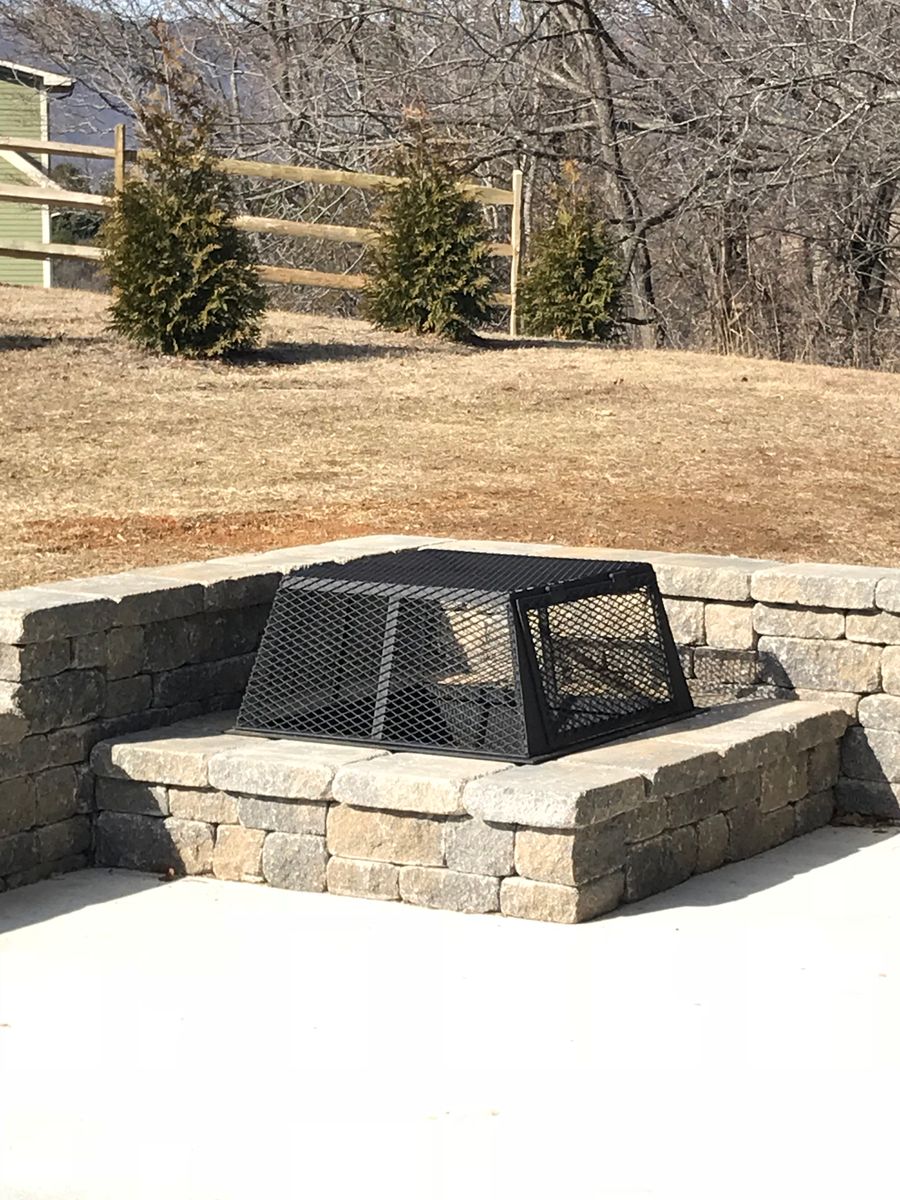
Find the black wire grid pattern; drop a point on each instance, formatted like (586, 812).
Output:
(504, 656)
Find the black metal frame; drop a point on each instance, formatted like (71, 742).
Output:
(416, 595)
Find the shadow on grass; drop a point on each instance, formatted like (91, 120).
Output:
(288, 354)
(28, 341)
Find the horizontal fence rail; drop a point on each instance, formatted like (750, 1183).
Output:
(55, 197)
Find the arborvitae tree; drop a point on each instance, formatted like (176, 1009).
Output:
(429, 271)
(572, 286)
(183, 277)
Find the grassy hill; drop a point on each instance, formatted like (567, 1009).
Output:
(111, 458)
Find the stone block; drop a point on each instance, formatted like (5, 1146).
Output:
(124, 795)
(751, 831)
(18, 805)
(813, 811)
(744, 831)
(238, 853)
(24, 757)
(823, 765)
(879, 628)
(295, 860)
(63, 838)
(783, 782)
(846, 702)
(124, 651)
(660, 863)
(357, 877)
(124, 696)
(730, 626)
(832, 666)
(685, 620)
(290, 770)
(136, 598)
(890, 669)
(713, 666)
(56, 795)
(35, 660)
(18, 852)
(573, 857)
(478, 848)
(740, 789)
(155, 757)
(868, 798)
(141, 843)
(282, 816)
(798, 622)
(707, 577)
(668, 763)
(806, 723)
(646, 821)
(88, 650)
(871, 754)
(741, 743)
(70, 698)
(712, 842)
(169, 644)
(84, 788)
(777, 827)
(533, 901)
(44, 614)
(880, 712)
(555, 795)
(437, 887)
(13, 725)
(387, 837)
(216, 808)
(819, 585)
(887, 592)
(687, 808)
(416, 783)
(226, 585)
(201, 680)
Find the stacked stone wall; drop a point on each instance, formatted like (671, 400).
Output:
(561, 841)
(84, 660)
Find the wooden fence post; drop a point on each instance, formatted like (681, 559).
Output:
(119, 167)
(515, 263)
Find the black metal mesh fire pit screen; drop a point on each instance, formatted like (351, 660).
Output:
(493, 655)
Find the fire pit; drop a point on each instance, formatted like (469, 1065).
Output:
(492, 655)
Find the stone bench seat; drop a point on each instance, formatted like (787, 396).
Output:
(565, 840)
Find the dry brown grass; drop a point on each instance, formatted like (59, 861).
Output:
(111, 458)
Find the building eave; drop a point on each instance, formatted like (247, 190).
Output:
(32, 76)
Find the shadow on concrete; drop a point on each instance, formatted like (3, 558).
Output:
(737, 880)
(64, 894)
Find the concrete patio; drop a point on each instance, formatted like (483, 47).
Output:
(204, 1040)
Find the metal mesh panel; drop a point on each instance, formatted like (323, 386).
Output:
(387, 664)
(600, 657)
(501, 656)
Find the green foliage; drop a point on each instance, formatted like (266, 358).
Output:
(429, 271)
(572, 286)
(183, 277)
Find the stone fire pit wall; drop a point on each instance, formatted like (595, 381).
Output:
(83, 661)
(560, 841)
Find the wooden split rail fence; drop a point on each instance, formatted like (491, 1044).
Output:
(55, 197)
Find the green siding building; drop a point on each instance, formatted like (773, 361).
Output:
(24, 113)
